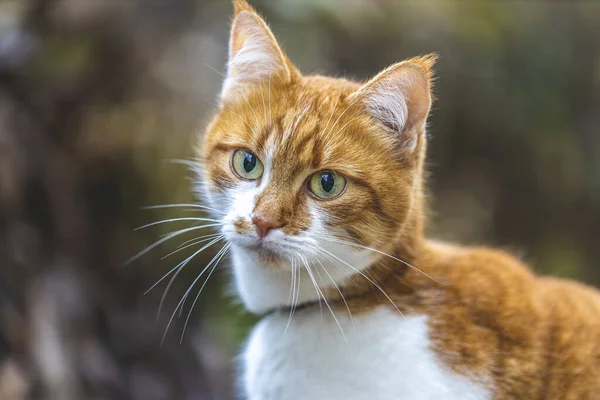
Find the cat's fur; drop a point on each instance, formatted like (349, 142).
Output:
(429, 320)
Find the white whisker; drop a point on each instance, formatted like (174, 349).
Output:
(244, 120)
(180, 268)
(366, 277)
(187, 292)
(198, 238)
(164, 221)
(338, 289)
(296, 294)
(251, 109)
(345, 125)
(314, 283)
(292, 283)
(312, 278)
(331, 116)
(198, 241)
(341, 241)
(215, 70)
(217, 255)
(164, 239)
(270, 109)
(319, 294)
(223, 254)
(338, 119)
(183, 205)
(262, 94)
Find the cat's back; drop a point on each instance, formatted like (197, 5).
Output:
(574, 341)
(535, 337)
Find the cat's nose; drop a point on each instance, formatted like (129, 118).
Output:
(264, 225)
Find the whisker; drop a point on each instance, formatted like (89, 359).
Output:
(183, 205)
(298, 282)
(321, 279)
(320, 276)
(181, 266)
(183, 161)
(162, 240)
(292, 283)
(244, 120)
(197, 238)
(208, 265)
(223, 255)
(200, 240)
(185, 295)
(256, 120)
(164, 221)
(270, 109)
(338, 289)
(314, 283)
(331, 116)
(338, 119)
(341, 241)
(366, 277)
(262, 94)
(296, 278)
(214, 69)
(334, 262)
(312, 278)
(345, 125)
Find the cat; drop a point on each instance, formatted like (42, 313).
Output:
(319, 185)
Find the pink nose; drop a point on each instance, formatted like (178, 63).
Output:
(264, 225)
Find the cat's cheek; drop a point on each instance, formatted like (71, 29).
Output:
(240, 202)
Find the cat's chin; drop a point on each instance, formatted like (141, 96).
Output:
(261, 251)
(266, 256)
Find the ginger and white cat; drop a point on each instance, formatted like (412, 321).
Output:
(321, 184)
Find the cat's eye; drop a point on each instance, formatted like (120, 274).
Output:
(246, 165)
(326, 185)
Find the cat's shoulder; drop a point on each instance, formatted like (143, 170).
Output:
(476, 268)
(495, 271)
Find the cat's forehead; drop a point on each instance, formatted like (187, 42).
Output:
(310, 127)
(311, 137)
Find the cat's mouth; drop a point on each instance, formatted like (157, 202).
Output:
(266, 248)
(265, 253)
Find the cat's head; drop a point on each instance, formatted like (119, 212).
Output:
(303, 165)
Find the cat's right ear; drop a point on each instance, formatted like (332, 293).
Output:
(399, 99)
(255, 57)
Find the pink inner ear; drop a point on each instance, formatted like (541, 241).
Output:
(399, 98)
(254, 55)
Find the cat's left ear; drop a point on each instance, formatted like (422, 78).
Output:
(255, 57)
(399, 98)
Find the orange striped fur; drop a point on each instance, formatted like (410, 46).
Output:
(534, 337)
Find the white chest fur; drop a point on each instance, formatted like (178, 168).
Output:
(385, 356)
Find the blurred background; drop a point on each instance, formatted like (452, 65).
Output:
(101, 102)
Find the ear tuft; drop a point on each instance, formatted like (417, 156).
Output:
(399, 98)
(254, 54)
(241, 5)
(427, 63)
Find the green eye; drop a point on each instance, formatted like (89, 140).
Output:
(326, 185)
(246, 165)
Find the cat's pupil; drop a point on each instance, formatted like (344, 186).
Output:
(249, 162)
(327, 182)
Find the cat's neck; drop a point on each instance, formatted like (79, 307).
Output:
(360, 276)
